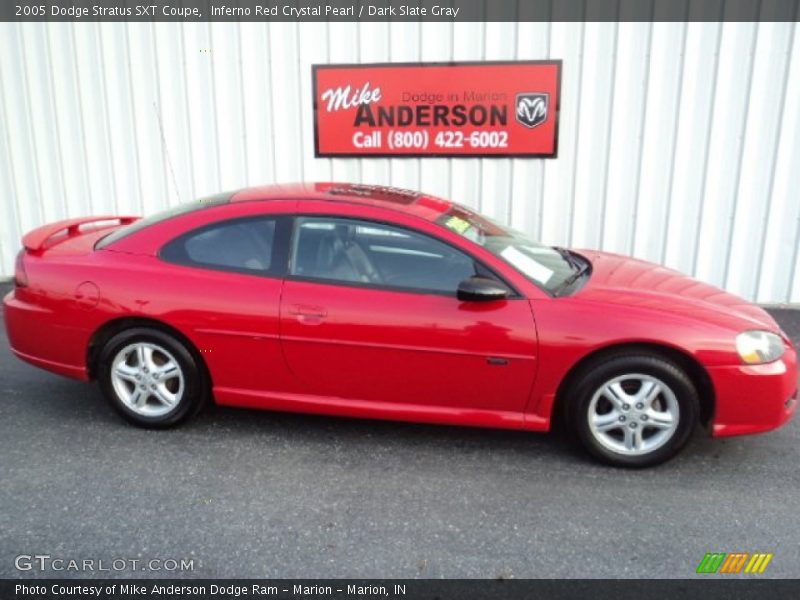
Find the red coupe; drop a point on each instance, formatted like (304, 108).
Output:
(371, 301)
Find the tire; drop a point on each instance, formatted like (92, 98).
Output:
(151, 379)
(632, 409)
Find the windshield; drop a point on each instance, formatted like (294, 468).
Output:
(553, 270)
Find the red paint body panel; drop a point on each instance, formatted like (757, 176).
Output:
(404, 348)
(288, 344)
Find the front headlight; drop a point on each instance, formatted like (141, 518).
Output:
(758, 347)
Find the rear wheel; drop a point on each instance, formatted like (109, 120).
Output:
(151, 378)
(633, 410)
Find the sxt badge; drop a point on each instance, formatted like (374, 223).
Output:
(532, 109)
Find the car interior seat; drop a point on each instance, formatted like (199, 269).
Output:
(340, 256)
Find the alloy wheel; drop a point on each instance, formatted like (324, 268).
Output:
(633, 414)
(147, 379)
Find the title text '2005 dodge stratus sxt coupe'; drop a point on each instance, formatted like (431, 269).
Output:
(370, 301)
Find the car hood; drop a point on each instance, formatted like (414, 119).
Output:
(623, 280)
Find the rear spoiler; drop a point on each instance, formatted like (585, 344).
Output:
(35, 240)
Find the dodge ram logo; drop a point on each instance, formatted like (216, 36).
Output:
(532, 109)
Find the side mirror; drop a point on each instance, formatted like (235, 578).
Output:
(481, 289)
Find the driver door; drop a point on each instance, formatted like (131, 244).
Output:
(369, 314)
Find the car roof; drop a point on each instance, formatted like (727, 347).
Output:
(392, 198)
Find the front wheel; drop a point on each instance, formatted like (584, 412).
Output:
(633, 410)
(151, 378)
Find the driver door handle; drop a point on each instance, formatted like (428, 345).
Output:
(309, 314)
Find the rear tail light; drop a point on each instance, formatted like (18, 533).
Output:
(20, 276)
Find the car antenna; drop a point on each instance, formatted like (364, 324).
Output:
(166, 152)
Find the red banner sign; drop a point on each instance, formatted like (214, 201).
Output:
(435, 109)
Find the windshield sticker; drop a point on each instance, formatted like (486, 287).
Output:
(457, 224)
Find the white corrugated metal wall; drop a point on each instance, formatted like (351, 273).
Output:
(679, 143)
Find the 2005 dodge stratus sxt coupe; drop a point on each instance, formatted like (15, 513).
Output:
(370, 301)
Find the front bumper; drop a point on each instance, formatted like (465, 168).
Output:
(755, 398)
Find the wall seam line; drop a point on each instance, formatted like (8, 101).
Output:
(9, 148)
(742, 139)
(642, 124)
(796, 257)
(771, 183)
(57, 120)
(215, 104)
(242, 115)
(189, 137)
(609, 132)
(137, 150)
(709, 127)
(107, 119)
(673, 153)
(81, 121)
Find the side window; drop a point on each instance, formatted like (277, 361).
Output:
(238, 245)
(353, 251)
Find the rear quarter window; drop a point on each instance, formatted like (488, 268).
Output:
(241, 245)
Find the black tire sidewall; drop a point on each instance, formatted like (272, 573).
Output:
(193, 380)
(597, 374)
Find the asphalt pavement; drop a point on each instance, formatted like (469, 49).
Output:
(259, 494)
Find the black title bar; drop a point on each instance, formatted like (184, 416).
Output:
(393, 10)
(705, 588)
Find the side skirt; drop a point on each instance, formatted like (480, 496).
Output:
(365, 409)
